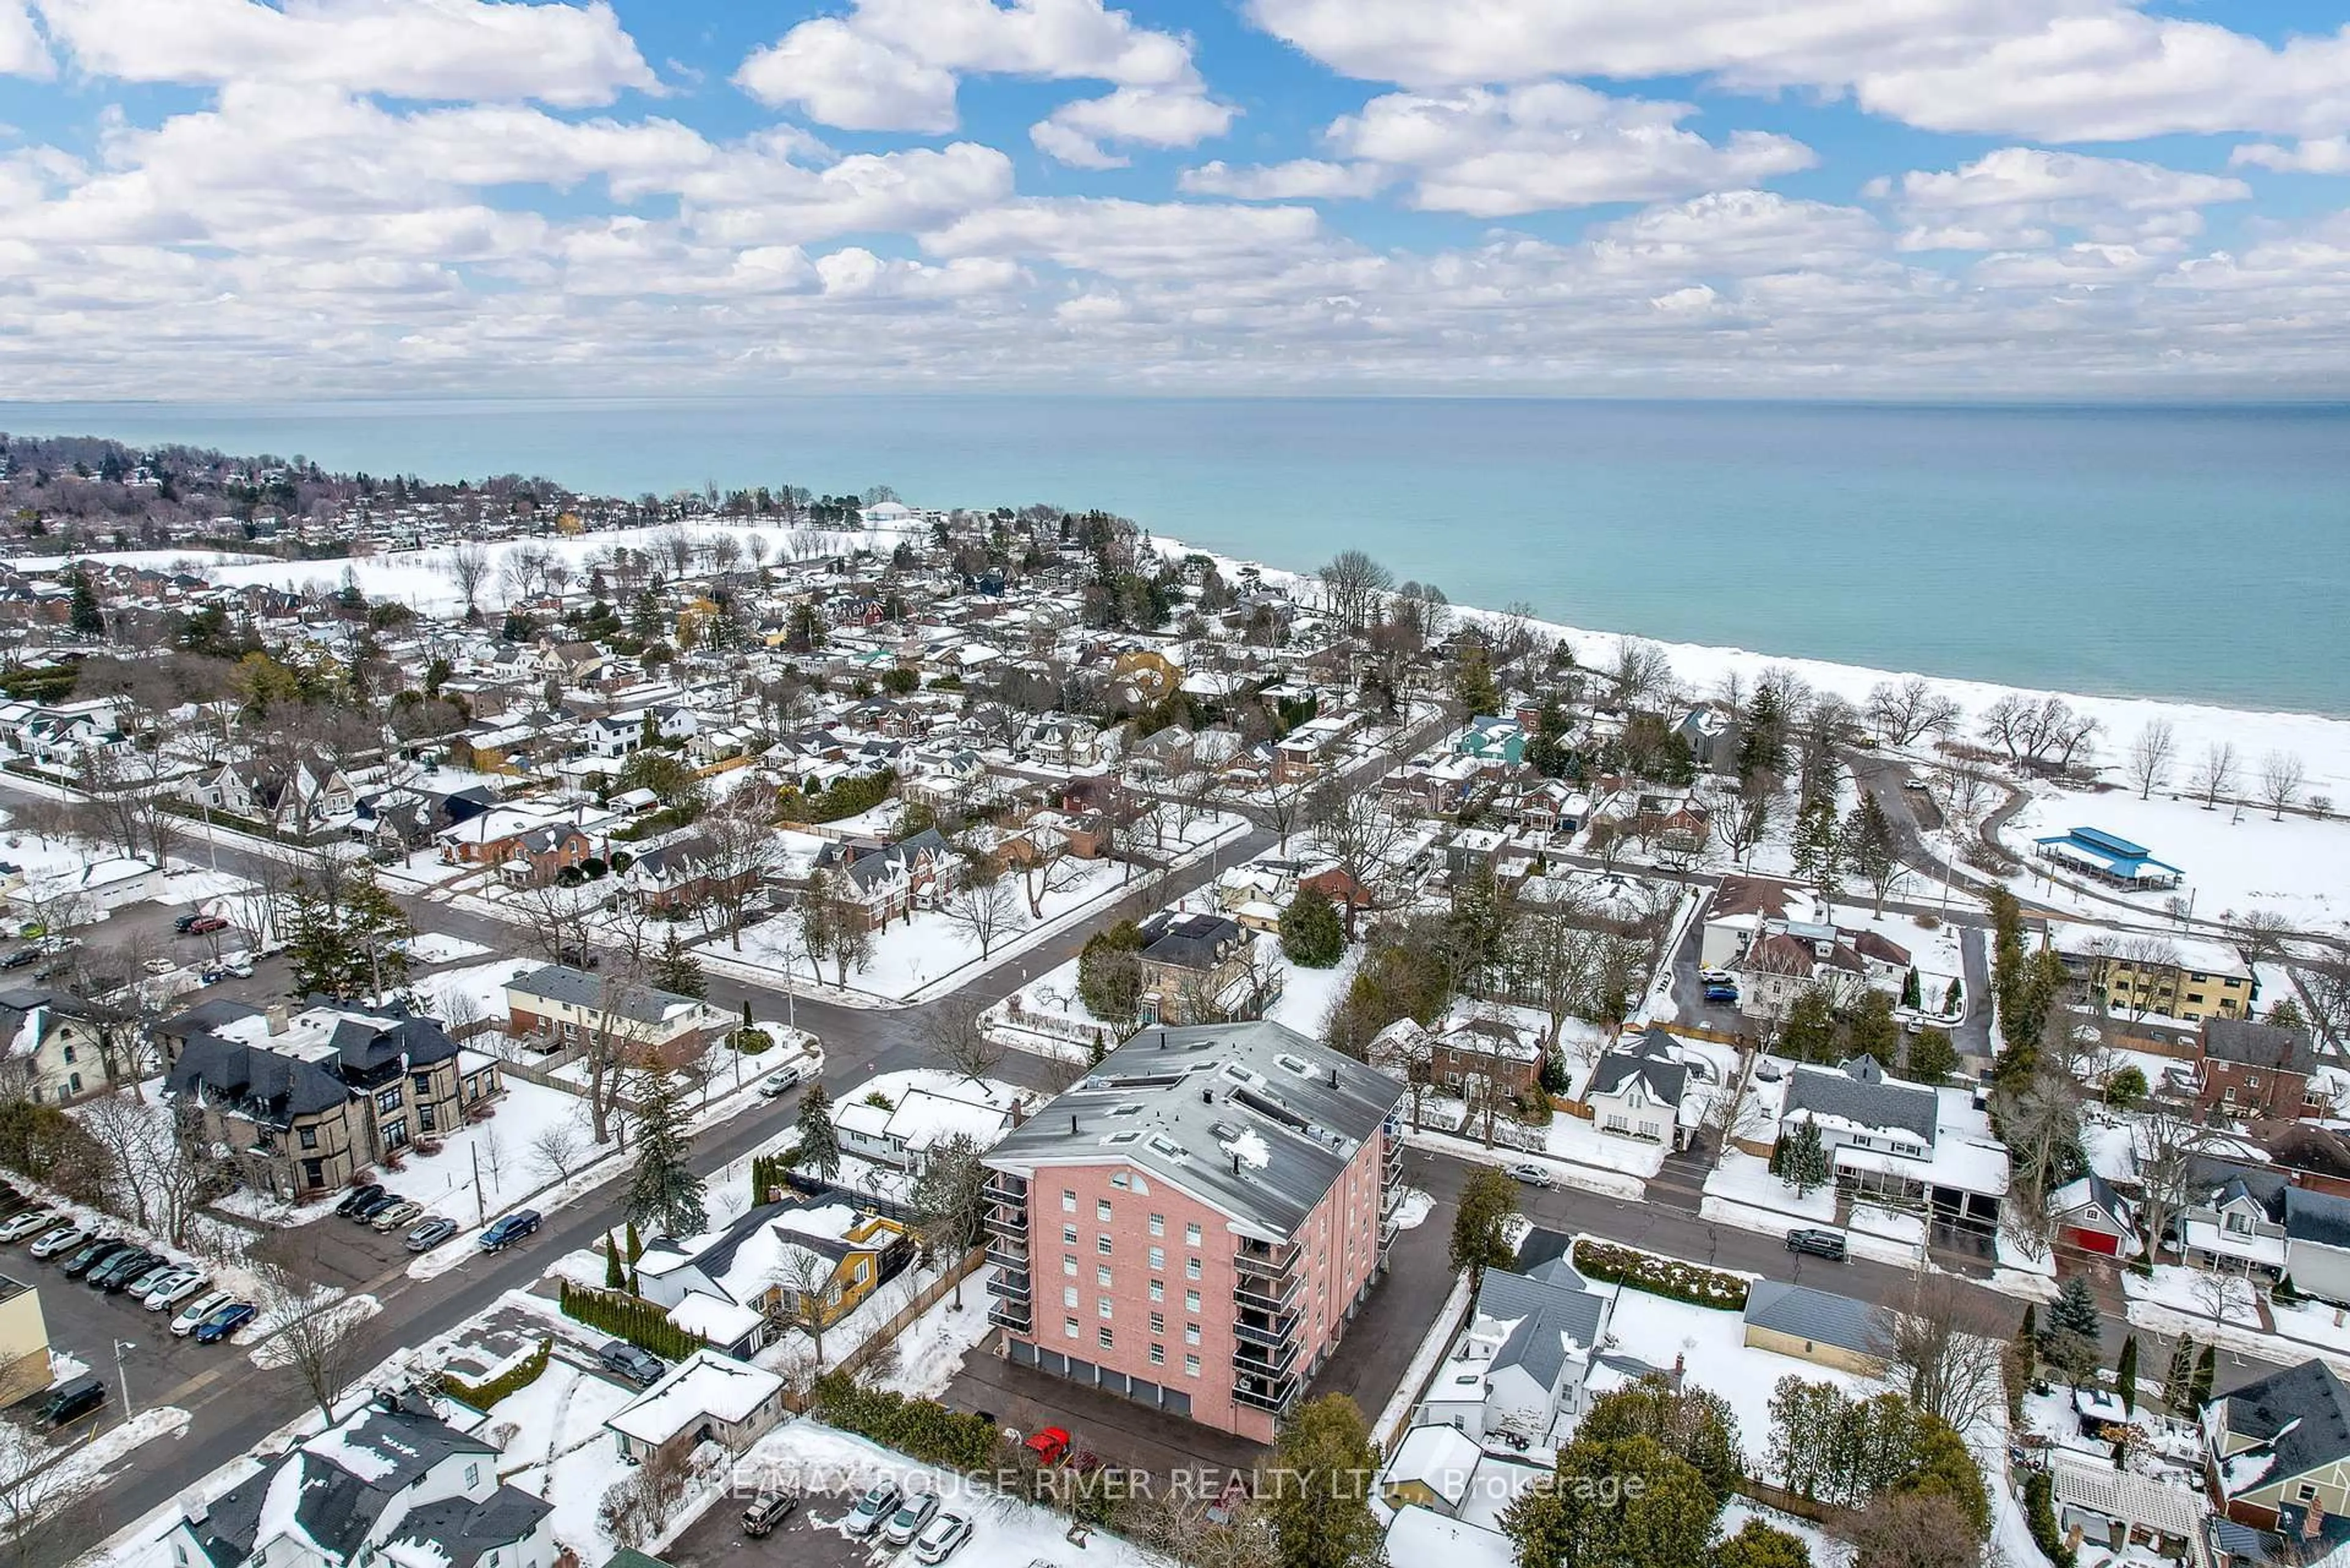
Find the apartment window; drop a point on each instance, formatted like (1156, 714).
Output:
(1192, 1235)
(1158, 1290)
(1101, 1306)
(1121, 1180)
(1068, 1201)
(388, 1099)
(70, 1056)
(1157, 1323)
(1158, 1257)
(1069, 1327)
(472, 1475)
(1069, 1264)
(1190, 1301)
(2238, 1223)
(1101, 1278)
(2195, 996)
(1068, 1235)
(1191, 1366)
(1159, 1224)
(309, 1138)
(1068, 1295)
(423, 1082)
(1101, 1245)
(1101, 1209)
(2306, 1491)
(1105, 1337)
(1191, 1268)
(1158, 1356)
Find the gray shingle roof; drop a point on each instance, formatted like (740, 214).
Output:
(2318, 1217)
(1828, 1091)
(2302, 1412)
(2258, 1044)
(1179, 1103)
(1817, 1315)
(623, 998)
(1653, 1058)
(1549, 1311)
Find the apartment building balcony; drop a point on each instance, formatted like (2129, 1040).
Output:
(1259, 1261)
(1001, 1186)
(1261, 1361)
(1274, 1393)
(1391, 1162)
(1010, 1315)
(1275, 1295)
(1272, 1331)
(1012, 1285)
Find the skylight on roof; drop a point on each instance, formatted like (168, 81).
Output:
(1167, 1147)
(1297, 1064)
(1128, 1135)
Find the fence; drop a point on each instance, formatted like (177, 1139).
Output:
(926, 1298)
(1773, 1496)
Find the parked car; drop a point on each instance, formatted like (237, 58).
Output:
(114, 1277)
(64, 1239)
(1828, 1244)
(781, 1081)
(33, 930)
(181, 1285)
(223, 1322)
(20, 958)
(93, 1254)
(1717, 977)
(638, 1364)
(504, 1232)
(907, 1523)
(358, 1195)
(32, 1223)
(1531, 1172)
(1049, 1443)
(194, 1314)
(1727, 994)
(365, 1213)
(942, 1539)
(400, 1214)
(879, 1502)
(205, 925)
(73, 1400)
(160, 965)
(430, 1234)
(240, 965)
(769, 1509)
(139, 1285)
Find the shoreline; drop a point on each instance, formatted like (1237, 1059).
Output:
(2322, 741)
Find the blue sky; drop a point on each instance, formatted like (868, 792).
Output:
(226, 198)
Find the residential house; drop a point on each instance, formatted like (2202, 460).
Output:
(2317, 1243)
(54, 1047)
(1495, 1053)
(2277, 1449)
(1736, 914)
(1816, 1326)
(80, 892)
(2257, 1071)
(2233, 1219)
(566, 1008)
(784, 1259)
(388, 1484)
(528, 843)
(1492, 740)
(685, 873)
(1519, 1370)
(889, 880)
(1883, 1141)
(1711, 738)
(1194, 966)
(902, 1134)
(1220, 1199)
(705, 1399)
(1638, 1088)
(2182, 978)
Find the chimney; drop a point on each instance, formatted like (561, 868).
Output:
(1073, 1124)
(1334, 1077)
(1236, 1165)
(278, 1017)
(1207, 1097)
(193, 1508)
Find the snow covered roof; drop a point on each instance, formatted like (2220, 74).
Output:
(719, 1322)
(702, 1386)
(1423, 1535)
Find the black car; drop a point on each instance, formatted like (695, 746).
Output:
(1826, 1244)
(20, 958)
(73, 1400)
(639, 1365)
(120, 1269)
(183, 922)
(365, 1213)
(358, 1195)
(91, 1255)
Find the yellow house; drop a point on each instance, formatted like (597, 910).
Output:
(2134, 986)
(782, 1260)
(24, 1341)
(1815, 1325)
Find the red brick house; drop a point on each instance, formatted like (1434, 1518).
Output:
(2256, 1071)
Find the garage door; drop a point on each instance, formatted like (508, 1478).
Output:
(1179, 1404)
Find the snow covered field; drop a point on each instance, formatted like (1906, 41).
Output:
(929, 1351)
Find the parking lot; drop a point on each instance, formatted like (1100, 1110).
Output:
(716, 1539)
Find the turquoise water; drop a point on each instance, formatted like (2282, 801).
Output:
(2192, 553)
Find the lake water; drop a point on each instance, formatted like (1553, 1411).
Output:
(2195, 553)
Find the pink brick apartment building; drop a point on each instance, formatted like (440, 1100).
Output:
(1194, 1224)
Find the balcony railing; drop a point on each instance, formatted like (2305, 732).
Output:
(1001, 1188)
(1393, 1160)
(1274, 1393)
(1267, 1296)
(1007, 1252)
(1008, 1222)
(1013, 1316)
(1010, 1284)
(1261, 1262)
(1273, 1335)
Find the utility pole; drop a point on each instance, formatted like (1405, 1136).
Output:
(122, 1370)
(481, 1210)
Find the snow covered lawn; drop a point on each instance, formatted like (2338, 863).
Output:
(1307, 994)
(1654, 1330)
(1612, 1180)
(2314, 1323)
(930, 1349)
(435, 947)
(829, 1467)
(1745, 1179)
(558, 1449)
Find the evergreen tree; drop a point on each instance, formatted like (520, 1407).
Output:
(1909, 990)
(635, 1243)
(2206, 1369)
(2074, 1311)
(1593, 1514)
(1758, 1546)
(1487, 1202)
(1818, 850)
(1952, 995)
(1932, 1057)
(1875, 1032)
(1763, 747)
(1321, 1516)
(679, 971)
(820, 1144)
(1809, 1033)
(1690, 1423)
(1869, 848)
(613, 1278)
(89, 619)
(665, 1190)
(1312, 935)
(1803, 1158)
(2126, 1376)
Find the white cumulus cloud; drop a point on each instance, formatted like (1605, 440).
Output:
(2021, 197)
(2323, 155)
(1300, 179)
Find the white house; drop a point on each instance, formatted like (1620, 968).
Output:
(1519, 1369)
(390, 1483)
(705, 1399)
(1638, 1090)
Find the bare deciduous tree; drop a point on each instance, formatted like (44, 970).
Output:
(2150, 756)
(2281, 778)
(1351, 583)
(1943, 1350)
(468, 566)
(955, 1028)
(982, 909)
(2215, 774)
(1905, 712)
